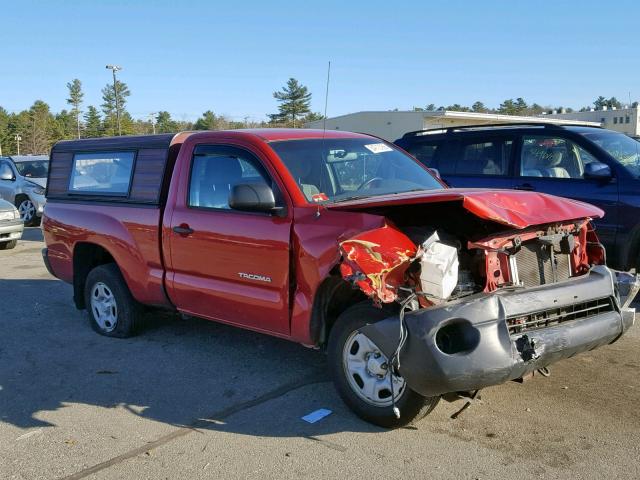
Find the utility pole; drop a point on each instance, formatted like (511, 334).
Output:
(18, 138)
(114, 69)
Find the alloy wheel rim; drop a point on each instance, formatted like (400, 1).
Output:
(27, 210)
(104, 307)
(367, 371)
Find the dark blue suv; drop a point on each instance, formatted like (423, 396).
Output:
(590, 164)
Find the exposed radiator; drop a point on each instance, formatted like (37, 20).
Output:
(538, 264)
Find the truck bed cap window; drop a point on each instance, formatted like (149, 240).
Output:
(102, 173)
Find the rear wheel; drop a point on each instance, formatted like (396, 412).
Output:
(362, 375)
(8, 245)
(113, 312)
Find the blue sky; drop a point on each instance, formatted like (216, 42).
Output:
(190, 56)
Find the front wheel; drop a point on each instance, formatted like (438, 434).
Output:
(27, 210)
(113, 312)
(8, 245)
(362, 375)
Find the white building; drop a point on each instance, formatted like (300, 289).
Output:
(391, 125)
(623, 120)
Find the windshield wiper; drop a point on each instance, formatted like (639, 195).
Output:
(360, 197)
(352, 197)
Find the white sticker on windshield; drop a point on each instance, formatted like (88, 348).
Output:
(378, 148)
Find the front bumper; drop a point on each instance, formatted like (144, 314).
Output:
(11, 230)
(39, 202)
(481, 350)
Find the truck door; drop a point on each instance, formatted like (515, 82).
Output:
(224, 264)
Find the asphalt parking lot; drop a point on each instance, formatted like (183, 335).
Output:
(193, 399)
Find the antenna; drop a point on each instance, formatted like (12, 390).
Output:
(326, 98)
(324, 122)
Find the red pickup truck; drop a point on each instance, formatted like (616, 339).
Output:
(337, 240)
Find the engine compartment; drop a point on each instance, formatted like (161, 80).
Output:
(446, 261)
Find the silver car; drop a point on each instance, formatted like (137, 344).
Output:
(11, 226)
(23, 180)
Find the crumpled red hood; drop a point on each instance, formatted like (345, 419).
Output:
(514, 208)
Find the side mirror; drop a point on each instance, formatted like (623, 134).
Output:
(597, 171)
(6, 174)
(252, 197)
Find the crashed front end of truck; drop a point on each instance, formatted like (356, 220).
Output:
(476, 311)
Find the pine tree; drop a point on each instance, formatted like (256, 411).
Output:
(508, 107)
(18, 125)
(208, 121)
(479, 107)
(164, 123)
(65, 126)
(4, 132)
(109, 106)
(295, 103)
(75, 99)
(92, 122)
(39, 133)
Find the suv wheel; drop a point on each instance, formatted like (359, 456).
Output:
(27, 211)
(361, 372)
(112, 310)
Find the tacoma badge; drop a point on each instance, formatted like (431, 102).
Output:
(253, 276)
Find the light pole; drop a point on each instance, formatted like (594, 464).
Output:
(152, 119)
(18, 138)
(114, 69)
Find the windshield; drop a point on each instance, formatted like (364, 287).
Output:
(338, 169)
(621, 147)
(35, 169)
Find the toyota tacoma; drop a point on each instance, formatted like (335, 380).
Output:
(338, 241)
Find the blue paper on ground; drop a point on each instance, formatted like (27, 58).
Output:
(313, 417)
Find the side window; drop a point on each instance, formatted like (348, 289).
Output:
(102, 173)
(215, 170)
(484, 158)
(552, 157)
(425, 152)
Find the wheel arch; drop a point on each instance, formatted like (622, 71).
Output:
(333, 296)
(630, 256)
(86, 257)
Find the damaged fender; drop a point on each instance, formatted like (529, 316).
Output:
(376, 261)
(467, 345)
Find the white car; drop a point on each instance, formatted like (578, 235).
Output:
(11, 226)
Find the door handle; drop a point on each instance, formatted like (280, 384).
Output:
(525, 186)
(183, 229)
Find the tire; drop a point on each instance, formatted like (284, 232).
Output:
(8, 245)
(345, 344)
(113, 312)
(27, 211)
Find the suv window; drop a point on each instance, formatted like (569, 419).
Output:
(552, 157)
(425, 152)
(484, 157)
(215, 170)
